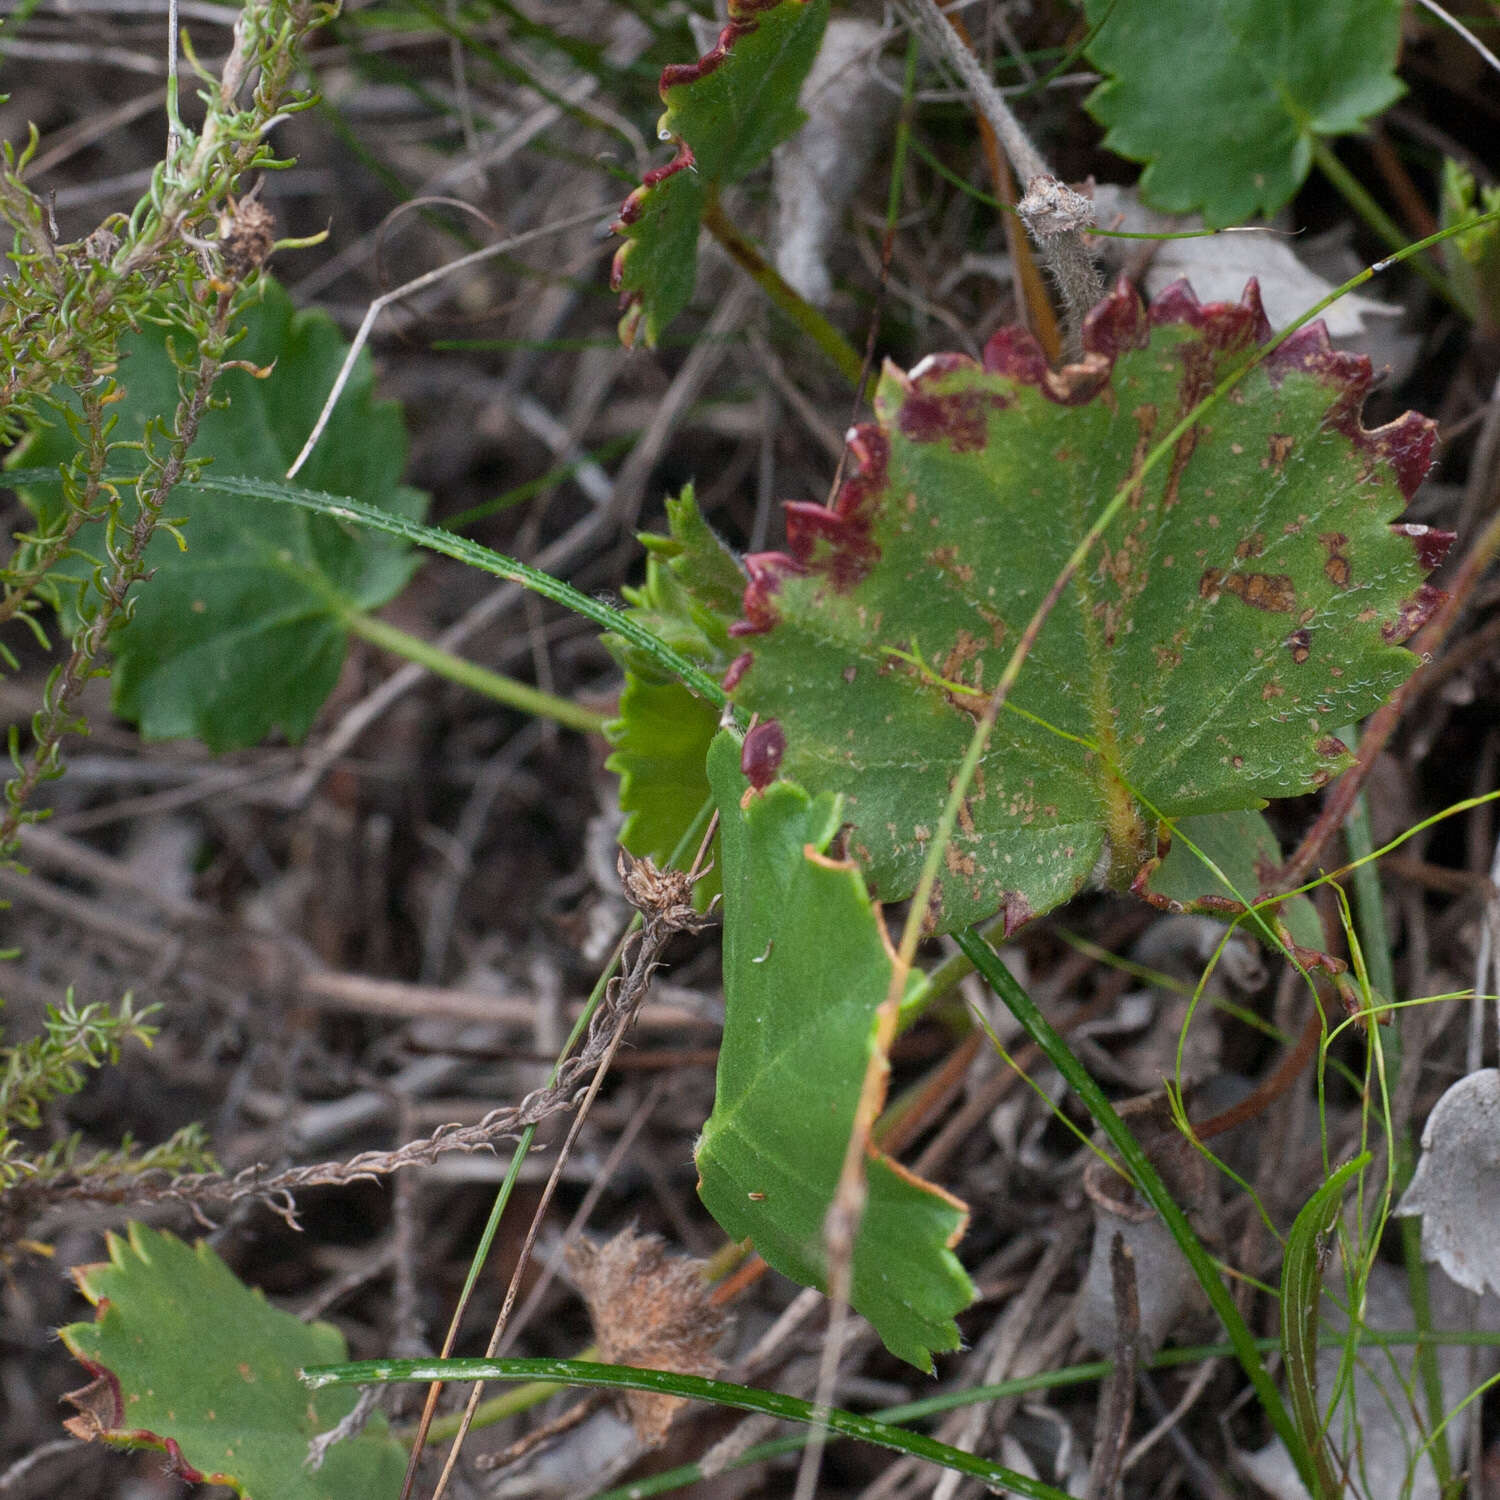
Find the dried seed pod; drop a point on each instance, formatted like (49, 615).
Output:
(649, 1309)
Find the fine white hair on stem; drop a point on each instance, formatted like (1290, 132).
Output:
(1060, 243)
(417, 284)
(172, 21)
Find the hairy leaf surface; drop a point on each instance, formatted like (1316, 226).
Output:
(1223, 98)
(726, 113)
(1249, 598)
(806, 970)
(189, 1359)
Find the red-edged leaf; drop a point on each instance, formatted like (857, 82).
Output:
(725, 114)
(1249, 599)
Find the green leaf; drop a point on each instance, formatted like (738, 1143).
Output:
(243, 633)
(1245, 601)
(806, 970)
(1301, 1291)
(1244, 850)
(189, 1359)
(726, 113)
(1223, 99)
(692, 590)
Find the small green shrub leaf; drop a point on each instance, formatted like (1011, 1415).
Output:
(1223, 101)
(1248, 599)
(725, 113)
(243, 634)
(1473, 256)
(806, 970)
(188, 1359)
(692, 591)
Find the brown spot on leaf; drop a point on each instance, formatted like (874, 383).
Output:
(1208, 584)
(1269, 591)
(1336, 568)
(1272, 689)
(945, 560)
(1330, 744)
(934, 913)
(1251, 546)
(957, 862)
(965, 817)
(964, 650)
(1278, 450)
(1299, 643)
(1412, 614)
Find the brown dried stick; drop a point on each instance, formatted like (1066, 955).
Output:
(208, 1190)
(665, 900)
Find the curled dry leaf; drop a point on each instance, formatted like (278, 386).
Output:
(817, 172)
(651, 1310)
(1456, 1188)
(1220, 265)
(1164, 1282)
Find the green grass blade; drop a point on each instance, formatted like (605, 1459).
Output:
(1301, 1290)
(435, 539)
(691, 1388)
(1149, 1181)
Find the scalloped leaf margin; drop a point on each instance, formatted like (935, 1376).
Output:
(807, 967)
(1258, 79)
(726, 113)
(1251, 596)
(660, 737)
(188, 1359)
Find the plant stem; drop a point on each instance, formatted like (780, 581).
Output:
(1358, 198)
(1149, 1181)
(469, 674)
(522, 1149)
(1369, 911)
(770, 281)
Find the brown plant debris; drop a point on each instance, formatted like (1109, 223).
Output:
(664, 899)
(652, 1310)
